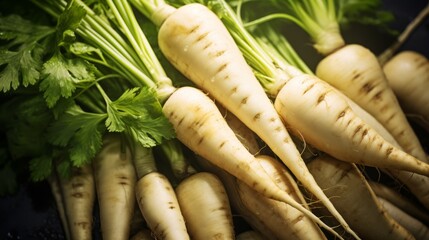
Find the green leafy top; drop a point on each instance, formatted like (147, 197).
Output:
(21, 55)
(87, 76)
(322, 19)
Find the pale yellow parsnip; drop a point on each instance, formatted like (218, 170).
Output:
(353, 197)
(78, 194)
(201, 127)
(205, 207)
(338, 130)
(115, 180)
(356, 72)
(408, 75)
(197, 43)
(158, 204)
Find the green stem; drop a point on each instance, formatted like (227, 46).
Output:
(144, 161)
(130, 27)
(179, 164)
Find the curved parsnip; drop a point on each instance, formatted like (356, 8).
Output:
(79, 197)
(414, 226)
(352, 196)
(262, 213)
(201, 127)
(299, 227)
(271, 218)
(205, 207)
(396, 198)
(159, 206)
(246, 136)
(197, 43)
(54, 184)
(340, 132)
(156, 197)
(115, 179)
(408, 75)
(356, 72)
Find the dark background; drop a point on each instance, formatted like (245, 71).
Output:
(31, 213)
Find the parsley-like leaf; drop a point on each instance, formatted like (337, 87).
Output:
(21, 55)
(61, 76)
(138, 112)
(40, 168)
(80, 131)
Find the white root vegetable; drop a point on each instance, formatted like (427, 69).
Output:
(356, 72)
(197, 43)
(54, 184)
(300, 226)
(274, 210)
(160, 208)
(408, 75)
(79, 196)
(338, 130)
(201, 127)
(353, 197)
(246, 136)
(156, 198)
(416, 183)
(115, 179)
(205, 207)
(414, 226)
(399, 201)
(273, 219)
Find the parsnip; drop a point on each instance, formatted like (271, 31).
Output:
(156, 198)
(210, 137)
(415, 227)
(79, 195)
(115, 178)
(345, 135)
(400, 201)
(205, 207)
(352, 196)
(59, 202)
(192, 35)
(408, 75)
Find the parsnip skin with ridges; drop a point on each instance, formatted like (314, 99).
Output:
(355, 70)
(201, 127)
(197, 43)
(273, 219)
(265, 214)
(416, 183)
(395, 197)
(408, 75)
(353, 197)
(56, 190)
(160, 208)
(115, 179)
(414, 226)
(79, 197)
(337, 130)
(205, 207)
(296, 226)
